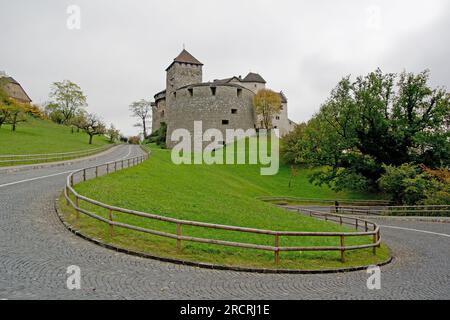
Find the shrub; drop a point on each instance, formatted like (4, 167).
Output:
(411, 185)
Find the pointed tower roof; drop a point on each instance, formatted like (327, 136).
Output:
(254, 77)
(185, 57)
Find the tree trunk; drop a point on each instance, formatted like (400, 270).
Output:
(90, 139)
(145, 128)
(14, 123)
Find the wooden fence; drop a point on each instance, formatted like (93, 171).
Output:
(48, 157)
(370, 229)
(325, 201)
(423, 210)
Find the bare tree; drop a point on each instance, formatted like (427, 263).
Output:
(92, 125)
(142, 110)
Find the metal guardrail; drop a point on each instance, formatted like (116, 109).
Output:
(370, 228)
(36, 158)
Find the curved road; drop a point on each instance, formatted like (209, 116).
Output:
(36, 250)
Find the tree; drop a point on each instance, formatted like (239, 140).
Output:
(267, 103)
(13, 111)
(92, 125)
(134, 140)
(16, 114)
(68, 98)
(78, 120)
(113, 133)
(142, 110)
(377, 119)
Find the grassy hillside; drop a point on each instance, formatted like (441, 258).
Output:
(223, 194)
(41, 136)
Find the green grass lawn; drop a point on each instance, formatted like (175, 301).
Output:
(222, 194)
(42, 136)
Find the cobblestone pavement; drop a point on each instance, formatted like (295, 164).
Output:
(36, 250)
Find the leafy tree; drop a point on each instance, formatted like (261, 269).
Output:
(53, 112)
(267, 103)
(113, 134)
(78, 120)
(377, 119)
(291, 147)
(134, 140)
(92, 125)
(142, 110)
(13, 111)
(68, 99)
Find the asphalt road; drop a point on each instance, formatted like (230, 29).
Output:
(36, 249)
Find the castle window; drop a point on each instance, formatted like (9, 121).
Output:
(191, 92)
(239, 93)
(175, 95)
(162, 114)
(275, 127)
(213, 91)
(225, 122)
(233, 111)
(277, 118)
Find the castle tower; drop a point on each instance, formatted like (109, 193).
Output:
(184, 70)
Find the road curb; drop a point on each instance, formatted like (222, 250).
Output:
(13, 169)
(98, 242)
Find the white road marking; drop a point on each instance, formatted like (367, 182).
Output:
(50, 175)
(36, 178)
(417, 230)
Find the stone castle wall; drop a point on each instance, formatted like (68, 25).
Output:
(199, 103)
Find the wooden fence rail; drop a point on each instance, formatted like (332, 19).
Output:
(34, 158)
(430, 210)
(370, 228)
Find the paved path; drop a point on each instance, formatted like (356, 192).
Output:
(36, 249)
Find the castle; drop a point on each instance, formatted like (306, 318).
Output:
(220, 104)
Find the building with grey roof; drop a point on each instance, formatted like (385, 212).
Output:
(220, 104)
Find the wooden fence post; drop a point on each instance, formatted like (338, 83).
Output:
(96, 172)
(342, 250)
(374, 241)
(178, 236)
(77, 203)
(378, 238)
(84, 174)
(68, 195)
(111, 227)
(277, 251)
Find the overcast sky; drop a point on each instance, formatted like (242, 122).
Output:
(301, 47)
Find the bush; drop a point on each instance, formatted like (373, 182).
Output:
(159, 136)
(134, 140)
(412, 185)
